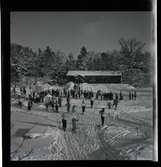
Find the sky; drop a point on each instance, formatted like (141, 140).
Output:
(70, 31)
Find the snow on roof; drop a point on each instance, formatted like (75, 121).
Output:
(94, 73)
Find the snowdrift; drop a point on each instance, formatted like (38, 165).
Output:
(86, 86)
(41, 132)
(106, 87)
(112, 87)
(41, 106)
(102, 87)
(69, 86)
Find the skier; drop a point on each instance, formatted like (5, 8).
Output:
(83, 106)
(102, 116)
(64, 120)
(74, 120)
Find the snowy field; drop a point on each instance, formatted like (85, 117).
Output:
(117, 140)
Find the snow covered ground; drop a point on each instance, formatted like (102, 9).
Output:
(117, 140)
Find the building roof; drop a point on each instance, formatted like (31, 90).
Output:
(94, 73)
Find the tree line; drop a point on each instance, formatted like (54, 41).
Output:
(136, 65)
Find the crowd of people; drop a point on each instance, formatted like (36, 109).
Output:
(54, 99)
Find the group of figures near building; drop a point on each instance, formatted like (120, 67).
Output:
(132, 95)
(54, 99)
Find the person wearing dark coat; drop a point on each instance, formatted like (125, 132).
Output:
(83, 107)
(59, 100)
(129, 95)
(102, 112)
(52, 102)
(108, 96)
(132, 95)
(20, 102)
(33, 94)
(21, 89)
(116, 97)
(24, 91)
(64, 120)
(68, 94)
(68, 107)
(79, 92)
(135, 95)
(29, 105)
(121, 97)
(111, 96)
(56, 106)
(101, 95)
(115, 103)
(68, 99)
(73, 93)
(53, 92)
(97, 95)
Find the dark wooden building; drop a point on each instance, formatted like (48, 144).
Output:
(94, 76)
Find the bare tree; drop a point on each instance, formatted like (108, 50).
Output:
(14, 153)
(131, 49)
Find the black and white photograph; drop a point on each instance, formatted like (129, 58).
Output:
(82, 85)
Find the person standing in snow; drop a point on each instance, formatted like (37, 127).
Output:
(64, 120)
(129, 95)
(20, 102)
(56, 106)
(92, 101)
(29, 105)
(116, 97)
(74, 120)
(47, 102)
(68, 99)
(83, 106)
(52, 102)
(115, 102)
(121, 97)
(102, 112)
(132, 95)
(79, 92)
(59, 100)
(109, 104)
(97, 95)
(24, 91)
(135, 95)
